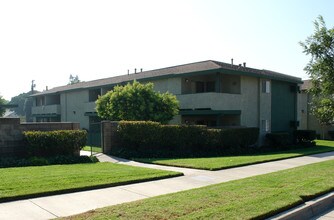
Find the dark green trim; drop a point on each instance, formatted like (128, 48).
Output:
(91, 114)
(210, 112)
(46, 116)
(283, 106)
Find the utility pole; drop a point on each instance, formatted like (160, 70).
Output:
(33, 85)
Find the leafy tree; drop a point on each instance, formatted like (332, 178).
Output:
(73, 79)
(137, 101)
(320, 68)
(19, 100)
(320, 45)
(323, 109)
(2, 102)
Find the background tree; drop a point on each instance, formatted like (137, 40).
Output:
(25, 103)
(73, 80)
(320, 45)
(19, 100)
(2, 102)
(137, 101)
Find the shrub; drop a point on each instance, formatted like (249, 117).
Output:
(151, 139)
(280, 140)
(52, 143)
(42, 161)
(331, 134)
(305, 137)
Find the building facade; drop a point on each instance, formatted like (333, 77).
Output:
(307, 120)
(210, 93)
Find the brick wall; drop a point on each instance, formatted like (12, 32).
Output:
(11, 133)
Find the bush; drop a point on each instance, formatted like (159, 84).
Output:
(331, 134)
(151, 139)
(280, 140)
(42, 161)
(305, 137)
(53, 143)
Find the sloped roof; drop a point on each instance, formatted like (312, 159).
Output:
(173, 71)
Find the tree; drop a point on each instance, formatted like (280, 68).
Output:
(323, 109)
(137, 101)
(19, 100)
(24, 104)
(73, 80)
(2, 102)
(320, 68)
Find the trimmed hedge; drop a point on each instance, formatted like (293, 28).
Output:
(54, 143)
(305, 137)
(151, 139)
(42, 161)
(280, 140)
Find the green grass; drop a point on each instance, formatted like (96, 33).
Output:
(28, 182)
(218, 163)
(93, 148)
(255, 197)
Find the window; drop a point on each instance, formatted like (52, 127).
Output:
(94, 94)
(199, 87)
(265, 86)
(265, 125)
(210, 86)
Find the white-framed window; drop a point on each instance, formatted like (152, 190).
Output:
(265, 86)
(265, 126)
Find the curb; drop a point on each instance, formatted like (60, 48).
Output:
(309, 209)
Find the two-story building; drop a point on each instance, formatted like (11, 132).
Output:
(307, 120)
(210, 92)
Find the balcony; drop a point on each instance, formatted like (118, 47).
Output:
(211, 100)
(46, 110)
(90, 107)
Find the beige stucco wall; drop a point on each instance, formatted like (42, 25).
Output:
(302, 110)
(264, 108)
(249, 101)
(172, 85)
(307, 120)
(73, 107)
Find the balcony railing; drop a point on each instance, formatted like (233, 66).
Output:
(212, 100)
(46, 109)
(90, 107)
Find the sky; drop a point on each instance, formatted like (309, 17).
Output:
(47, 41)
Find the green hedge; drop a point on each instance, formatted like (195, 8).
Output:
(151, 139)
(305, 137)
(279, 140)
(43, 161)
(53, 143)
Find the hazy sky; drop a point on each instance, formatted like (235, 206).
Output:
(46, 41)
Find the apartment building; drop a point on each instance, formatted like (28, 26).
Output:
(211, 93)
(307, 120)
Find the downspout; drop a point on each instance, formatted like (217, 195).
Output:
(65, 106)
(259, 110)
(259, 102)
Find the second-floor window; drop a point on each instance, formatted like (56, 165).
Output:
(265, 125)
(265, 86)
(94, 94)
(208, 86)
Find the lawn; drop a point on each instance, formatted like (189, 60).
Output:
(93, 148)
(28, 182)
(218, 163)
(255, 197)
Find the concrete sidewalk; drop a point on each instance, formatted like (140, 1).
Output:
(74, 203)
